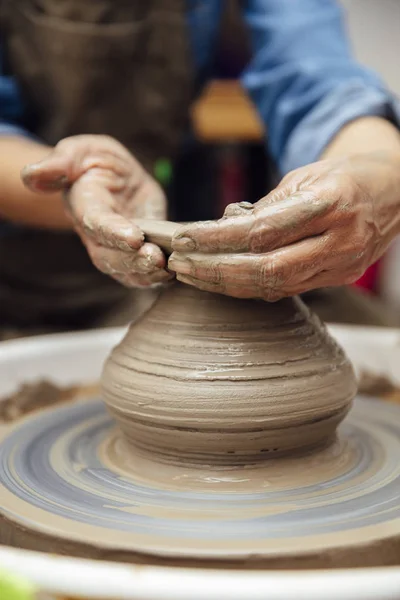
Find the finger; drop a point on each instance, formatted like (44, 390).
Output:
(91, 207)
(252, 275)
(151, 258)
(226, 234)
(291, 219)
(242, 287)
(74, 156)
(56, 171)
(324, 279)
(118, 264)
(268, 226)
(48, 175)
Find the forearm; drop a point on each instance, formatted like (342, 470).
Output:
(17, 203)
(365, 135)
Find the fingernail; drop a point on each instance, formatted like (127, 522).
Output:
(179, 265)
(56, 184)
(184, 244)
(143, 265)
(26, 171)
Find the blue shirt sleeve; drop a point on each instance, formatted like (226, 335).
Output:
(303, 79)
(11, 106)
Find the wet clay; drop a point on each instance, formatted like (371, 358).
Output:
(219, 448)
(32, 397)
(209, 379)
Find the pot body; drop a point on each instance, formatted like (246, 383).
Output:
(207, 379)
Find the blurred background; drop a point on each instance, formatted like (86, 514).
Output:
(228, 162)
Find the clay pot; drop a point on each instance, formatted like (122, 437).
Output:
(204, 378)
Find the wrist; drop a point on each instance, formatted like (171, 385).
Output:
(365, 135)
(380, 178)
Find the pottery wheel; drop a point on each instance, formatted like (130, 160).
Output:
(61, 491)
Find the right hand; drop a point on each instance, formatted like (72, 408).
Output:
(105, 189)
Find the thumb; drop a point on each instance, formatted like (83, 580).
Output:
(48, 175)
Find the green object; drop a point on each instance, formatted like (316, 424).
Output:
(163, 171)
(15, 588)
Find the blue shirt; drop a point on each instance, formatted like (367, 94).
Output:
(302, 78)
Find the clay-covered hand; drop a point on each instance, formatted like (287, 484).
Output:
(105, 189)
(322, 226)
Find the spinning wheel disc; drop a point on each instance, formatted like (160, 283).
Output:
(63, 490)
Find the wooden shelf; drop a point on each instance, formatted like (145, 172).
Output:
(224, 113)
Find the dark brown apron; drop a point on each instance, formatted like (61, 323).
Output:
(116, 67)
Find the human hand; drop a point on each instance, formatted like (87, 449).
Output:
(106, 189)
(322, 226)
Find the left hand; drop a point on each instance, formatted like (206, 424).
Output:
(322, 226)
(105, 190)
